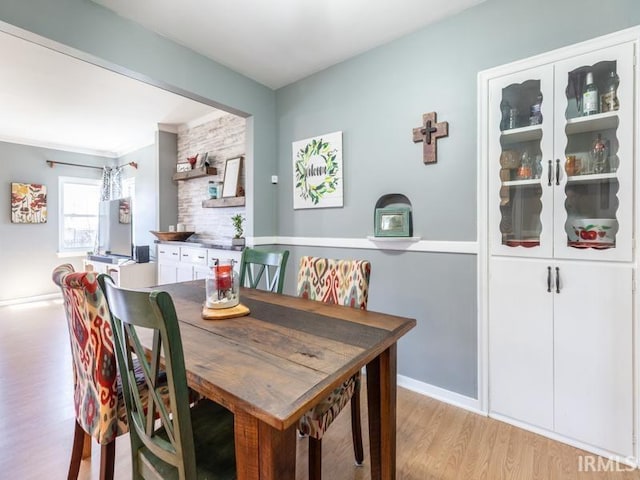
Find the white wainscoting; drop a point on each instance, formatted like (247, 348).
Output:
(434, 246)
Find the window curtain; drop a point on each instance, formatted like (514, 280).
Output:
(111, 189)
(111, 183)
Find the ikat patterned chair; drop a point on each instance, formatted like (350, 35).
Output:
(341, 282)
(98, 401)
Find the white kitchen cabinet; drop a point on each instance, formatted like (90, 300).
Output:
(125, 275)
(560, 209)
(181, 263)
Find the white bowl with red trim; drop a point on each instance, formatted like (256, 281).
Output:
(594, 230)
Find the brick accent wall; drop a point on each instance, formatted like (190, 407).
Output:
(222, 138)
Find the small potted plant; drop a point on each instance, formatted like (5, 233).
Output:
(238, 240)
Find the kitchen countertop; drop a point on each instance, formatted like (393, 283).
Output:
(201, 244)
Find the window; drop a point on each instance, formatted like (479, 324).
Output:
(129, 187)
(79, 201)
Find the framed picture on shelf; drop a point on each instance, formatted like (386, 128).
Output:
(202, 160)
(230, 185)
(183, 167)
(392, 222)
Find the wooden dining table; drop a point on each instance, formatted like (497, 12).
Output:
(269, 367)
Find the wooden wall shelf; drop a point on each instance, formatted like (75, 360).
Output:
(195, 173)
(223, 202)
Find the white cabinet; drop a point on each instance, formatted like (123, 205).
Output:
(560, 263)
(126, 275)
(561, 348)
(545, 186)
(593, 351)
(182, 263)
(521, 336)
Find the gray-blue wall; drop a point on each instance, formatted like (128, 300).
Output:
(28, 252)
(376, 99)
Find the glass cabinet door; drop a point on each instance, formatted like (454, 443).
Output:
(520, 145)
(594, 152)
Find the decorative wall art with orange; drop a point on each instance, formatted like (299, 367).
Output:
(28, 203)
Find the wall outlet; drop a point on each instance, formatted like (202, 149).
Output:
(274, 179)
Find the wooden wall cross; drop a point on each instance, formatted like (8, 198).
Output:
(429, 133)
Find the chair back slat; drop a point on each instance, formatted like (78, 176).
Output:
(258, 266)
(131, 312)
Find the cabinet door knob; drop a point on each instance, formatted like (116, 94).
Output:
(549, 275)
(550, 172)
(557, 279)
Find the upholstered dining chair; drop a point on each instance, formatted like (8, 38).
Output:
(342, 282)
(256, 264)
(190, 443)
(100, 411)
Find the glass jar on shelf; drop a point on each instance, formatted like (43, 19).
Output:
(524, 172)
(609, 98)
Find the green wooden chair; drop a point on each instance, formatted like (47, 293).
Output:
(255, 264)
(190, 443)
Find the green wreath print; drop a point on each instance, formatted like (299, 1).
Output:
(317, 148)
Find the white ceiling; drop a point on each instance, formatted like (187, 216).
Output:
(277, 42)
(53, 100)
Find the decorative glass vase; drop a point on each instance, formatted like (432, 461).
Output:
(222, 285)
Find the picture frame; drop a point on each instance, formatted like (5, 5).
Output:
(392, 222)
(318, 175)
(202, 160)
(28, 203)
(183, 167)
(231, 177)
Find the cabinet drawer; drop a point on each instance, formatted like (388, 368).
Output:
(168, 253)
(197, 256)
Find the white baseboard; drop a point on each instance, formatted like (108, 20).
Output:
(440, 394)
(630, 461)
(38, 298)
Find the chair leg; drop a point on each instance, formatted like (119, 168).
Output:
(76, 452)
(315, 459)
(86, 448)
(107, 460)
(356, 428)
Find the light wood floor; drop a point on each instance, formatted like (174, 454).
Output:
(435, 440)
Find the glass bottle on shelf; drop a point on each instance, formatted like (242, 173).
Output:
(599, 155)
(609, 98)
(589, 96)
(505, 107)
(535, 115)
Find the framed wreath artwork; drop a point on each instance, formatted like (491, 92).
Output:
(28, 203)
(317, 167)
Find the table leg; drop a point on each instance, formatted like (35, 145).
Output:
(262, 452)
(381, 402)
